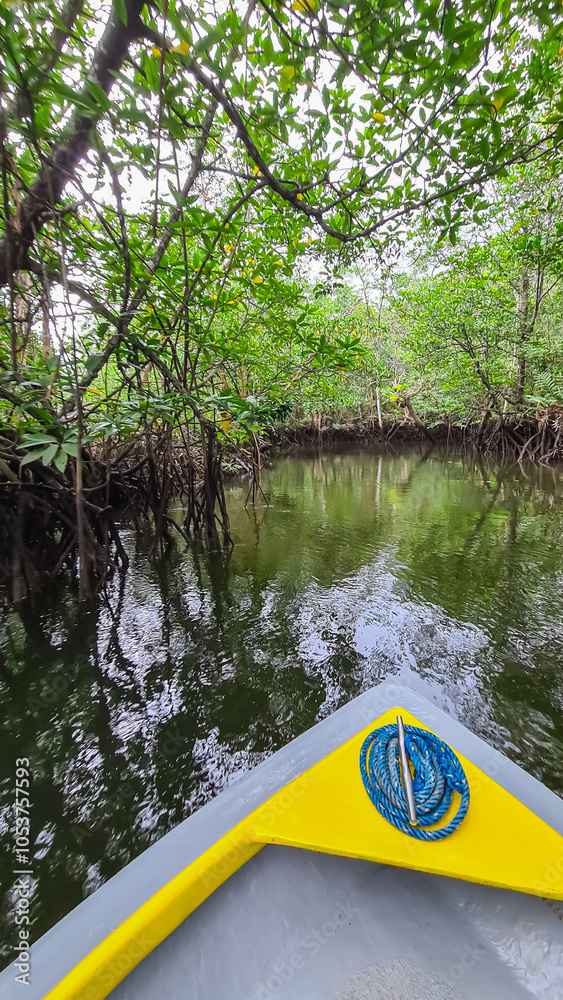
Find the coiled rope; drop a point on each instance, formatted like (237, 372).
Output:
(437, 774)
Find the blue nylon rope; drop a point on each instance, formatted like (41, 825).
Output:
(437, 774)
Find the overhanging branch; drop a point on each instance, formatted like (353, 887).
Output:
(46, 190)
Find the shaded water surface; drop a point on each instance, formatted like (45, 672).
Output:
(136, 710)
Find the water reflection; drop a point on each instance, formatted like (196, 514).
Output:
(136, 710)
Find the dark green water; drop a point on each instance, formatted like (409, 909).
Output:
(137, 710)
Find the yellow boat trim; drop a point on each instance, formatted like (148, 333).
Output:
(500, 843)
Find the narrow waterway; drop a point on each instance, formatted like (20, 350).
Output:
(137, 709)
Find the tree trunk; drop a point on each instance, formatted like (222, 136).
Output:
(523, 330)
(242, 382)
(521, 380)
(23, 315)
(45, 191)
(83, 576)
(414, 416)
(378, 403)
(45, 332)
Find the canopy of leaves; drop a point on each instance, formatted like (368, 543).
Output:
(172, 172)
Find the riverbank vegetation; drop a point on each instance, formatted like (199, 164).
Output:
(463, 339)
(219, 222)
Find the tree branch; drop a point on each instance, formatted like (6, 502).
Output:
(76, 288)
(157, 256)
(59, 35)
(46, 190)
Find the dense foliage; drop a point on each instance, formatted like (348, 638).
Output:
(215, 217)
(468, 330)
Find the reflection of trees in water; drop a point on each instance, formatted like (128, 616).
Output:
(503, 572)
(137, 709)
(123, 750)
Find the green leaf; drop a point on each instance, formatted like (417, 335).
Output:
(92, 362)
(61, 459)
(99, 94)
(32, 456)
(49, 453)
(33, 440)
(287, 75)
(120, 10)
(214, 37)
(72, 96)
